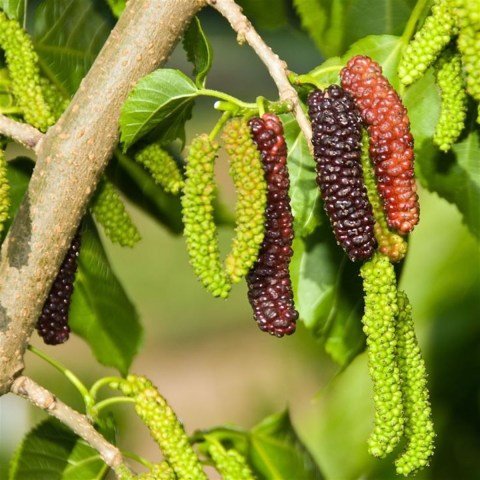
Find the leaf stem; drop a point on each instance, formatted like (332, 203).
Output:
(102, 382)
(226, 97)
(137, 458)
(413, 20)
(261, 105)
(95, 410)
(219, 125)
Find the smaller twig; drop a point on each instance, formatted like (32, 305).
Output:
(22, 133)
(40, 397)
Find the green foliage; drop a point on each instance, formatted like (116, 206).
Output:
(117, 6)
(15, 9)
(52, 451)
(199, 51)
(165, 428)
(4, 191)
(267, 13)
(247, 172)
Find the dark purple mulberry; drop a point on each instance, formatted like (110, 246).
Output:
(52, 324)
(337, 137)
(269, 286)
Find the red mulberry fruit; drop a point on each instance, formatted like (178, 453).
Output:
(337, 136)
(52, 324)
(269, 286)
(391, 143)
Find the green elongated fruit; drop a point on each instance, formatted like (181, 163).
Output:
(380, 288)
(22, 63)
(162, 471)
(247, 172)
(200, 230)
(391, 244)
(164, 426)
(110, 212)
(454, 101)
(428, 42)
(418, 413)
(467, 14)
(162, 167)
(4, 191)
(229, 463)
(54, 98)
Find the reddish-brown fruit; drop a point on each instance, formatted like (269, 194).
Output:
(391, 143)
(269, 286)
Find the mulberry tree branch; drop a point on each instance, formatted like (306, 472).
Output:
(40, 397)
(21, 133)
(276, 67)
(70, 161)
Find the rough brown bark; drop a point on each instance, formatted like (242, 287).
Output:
(71, 159)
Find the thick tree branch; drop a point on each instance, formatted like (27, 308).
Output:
(277, 68)
(40, 397)
(70, 161)
(21, 133)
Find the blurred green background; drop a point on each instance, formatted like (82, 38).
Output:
(214, 366)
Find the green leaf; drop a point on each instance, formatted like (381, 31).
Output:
(117, 6)
(272, 448)
(101, 313)
(304, 192)
(162, 95)
(328, 294)
(68, 36)
(266, 13)
(138, 186)
(52, 452)
(199, 51)
(14, 9)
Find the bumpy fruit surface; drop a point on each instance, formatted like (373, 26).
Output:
(390, 243)
(162, 167)
(418, 426)
(379, 284)
(467, 14)
(229, 463)
(22, 63)
(247, 172)
(337, 134)
(200, 230)
(391, 143)
(54, 98)
(164, 426)
(269, 286)
(110, 212)
(4, 191)
(428, 42)
(52, 325)
(454, 101)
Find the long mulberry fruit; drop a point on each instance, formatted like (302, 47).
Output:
(52, 325)
(4, 191)
(229, 463)
(419, 426)
(22, 63)
(391, 143)
(390, 243)
(200, 230)
(269, 286)
(162, 167)
(454, 102)
(164, 426)
(110, 212)
(428, 42)
(379, 284)
(247, 172)
(337, 134)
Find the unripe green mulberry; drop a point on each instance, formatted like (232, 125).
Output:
(380, 288)
(229, 463)
(4, 191)
(418, 413)
(428, 42)
(162, 167)
(110, 212)
(467, 13)
(247, 172)
(454, 102)
(162, 471)
(54, 98)
(22, 63)
(200, 230)
(389, 243)
(164, 426)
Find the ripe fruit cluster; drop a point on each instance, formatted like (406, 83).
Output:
(391, 143)
(4, 191)
(337, 133)
(52, 325)
(269, 286)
